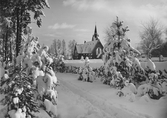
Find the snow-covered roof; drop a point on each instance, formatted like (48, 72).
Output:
(86, 47)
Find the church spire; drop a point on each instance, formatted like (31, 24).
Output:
(95, 30)
(95, 35)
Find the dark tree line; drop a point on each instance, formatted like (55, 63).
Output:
(162, 50)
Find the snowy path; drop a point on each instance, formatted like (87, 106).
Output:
(72, 105)
(78, 103)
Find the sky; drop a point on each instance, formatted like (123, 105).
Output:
(76, 19)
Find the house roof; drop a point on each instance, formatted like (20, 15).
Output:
(86, 47)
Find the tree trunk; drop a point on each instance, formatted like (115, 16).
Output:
(17, 35)
(13, 43)
(6, 45)
(3, 47)
(20, 28)
(11, 51)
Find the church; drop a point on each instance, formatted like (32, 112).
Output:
(92, 49)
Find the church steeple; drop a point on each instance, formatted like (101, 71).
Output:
(95, 35)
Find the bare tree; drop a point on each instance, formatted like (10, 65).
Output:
(58, 47)
(71, 46)
(64, 48)
(151, 36)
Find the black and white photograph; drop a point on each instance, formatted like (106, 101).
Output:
(83, 58)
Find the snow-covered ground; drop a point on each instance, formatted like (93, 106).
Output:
(72, 105)
(98, 62)
(79, 99)
(105, 97)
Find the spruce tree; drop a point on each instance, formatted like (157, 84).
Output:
(19, 93)
(112, 50)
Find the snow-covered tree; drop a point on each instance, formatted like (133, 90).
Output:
(18, 12)
(118, 54)
(23, 92)
(19, 93)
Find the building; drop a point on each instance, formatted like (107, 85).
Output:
(92, 49)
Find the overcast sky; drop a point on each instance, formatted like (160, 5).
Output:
(75, 19)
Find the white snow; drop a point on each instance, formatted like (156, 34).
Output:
(17, 114)
(3, 111)
(16, 100)
(78, 99)
(97, 63)
(142, 89)
(104, 98)
(48, 104)
(131, 87)
(150, 64)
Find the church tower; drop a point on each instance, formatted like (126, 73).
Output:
(95, 35)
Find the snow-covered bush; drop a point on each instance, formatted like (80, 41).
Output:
(92, 76)
(58, 64)
(86, 73)
(80, 74)
(32, 77)
(19, 94)
(50, 108)
(143, 89)
(131, 87)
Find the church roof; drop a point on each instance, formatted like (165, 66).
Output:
(86, 47)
